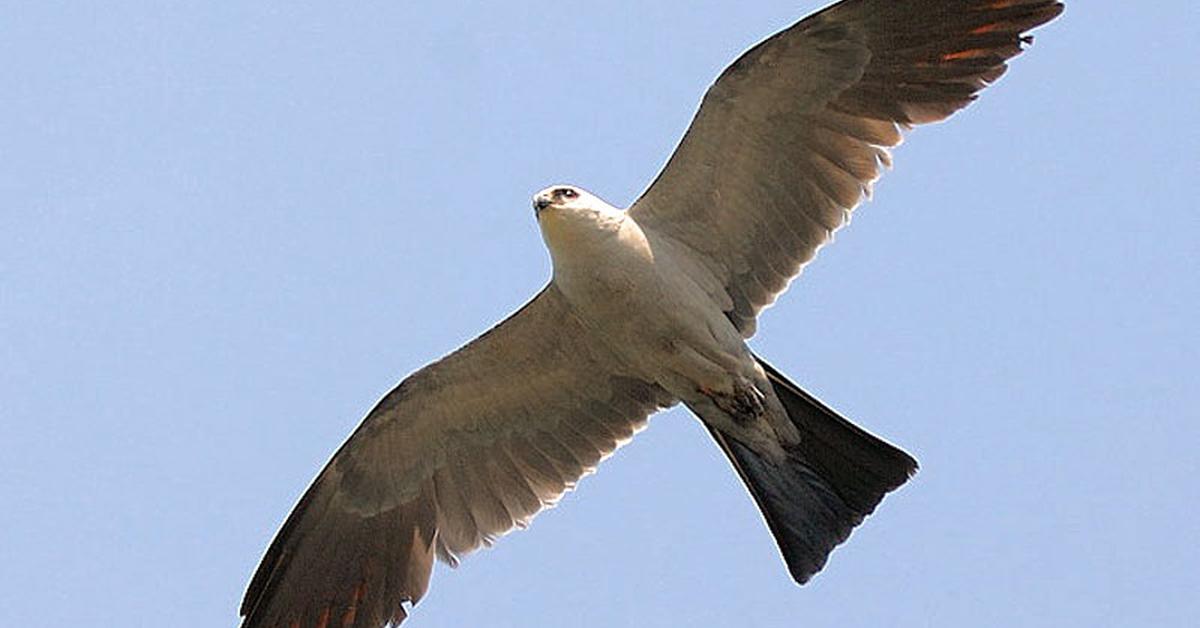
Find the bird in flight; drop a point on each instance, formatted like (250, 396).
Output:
(650, 307)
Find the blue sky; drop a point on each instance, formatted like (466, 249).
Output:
(226, 230)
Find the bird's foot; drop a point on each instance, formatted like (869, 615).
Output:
(744, 404)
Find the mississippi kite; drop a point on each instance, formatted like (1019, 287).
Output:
(648, 308)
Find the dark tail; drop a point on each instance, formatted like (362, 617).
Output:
(832, 480)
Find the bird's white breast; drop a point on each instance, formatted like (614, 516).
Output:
(631, 291)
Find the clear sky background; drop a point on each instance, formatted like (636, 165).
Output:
(226, 229)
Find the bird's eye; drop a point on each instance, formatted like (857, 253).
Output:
(568, 193)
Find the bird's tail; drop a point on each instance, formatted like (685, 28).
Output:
(829, 483)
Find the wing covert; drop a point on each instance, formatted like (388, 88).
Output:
(790, 137)
(459, 453)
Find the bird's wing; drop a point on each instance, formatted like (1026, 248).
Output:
(457, 454)
(791, 136)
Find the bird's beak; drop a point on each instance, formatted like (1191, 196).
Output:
(539, 203)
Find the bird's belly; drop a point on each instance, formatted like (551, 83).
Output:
(662, 326)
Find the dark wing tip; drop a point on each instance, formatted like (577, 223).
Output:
(930, 59)
(330, 566)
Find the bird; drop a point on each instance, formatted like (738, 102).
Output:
(649, 307)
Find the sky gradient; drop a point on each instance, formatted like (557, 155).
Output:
(227, 229)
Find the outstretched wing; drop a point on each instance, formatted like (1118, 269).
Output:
(792, 135)
(460, 452)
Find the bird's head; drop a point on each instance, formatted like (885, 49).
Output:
(566, 213)
(562, 199)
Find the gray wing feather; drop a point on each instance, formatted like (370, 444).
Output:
(791, 136)
(459, 453)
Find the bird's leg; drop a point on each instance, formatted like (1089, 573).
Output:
(744, 404)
